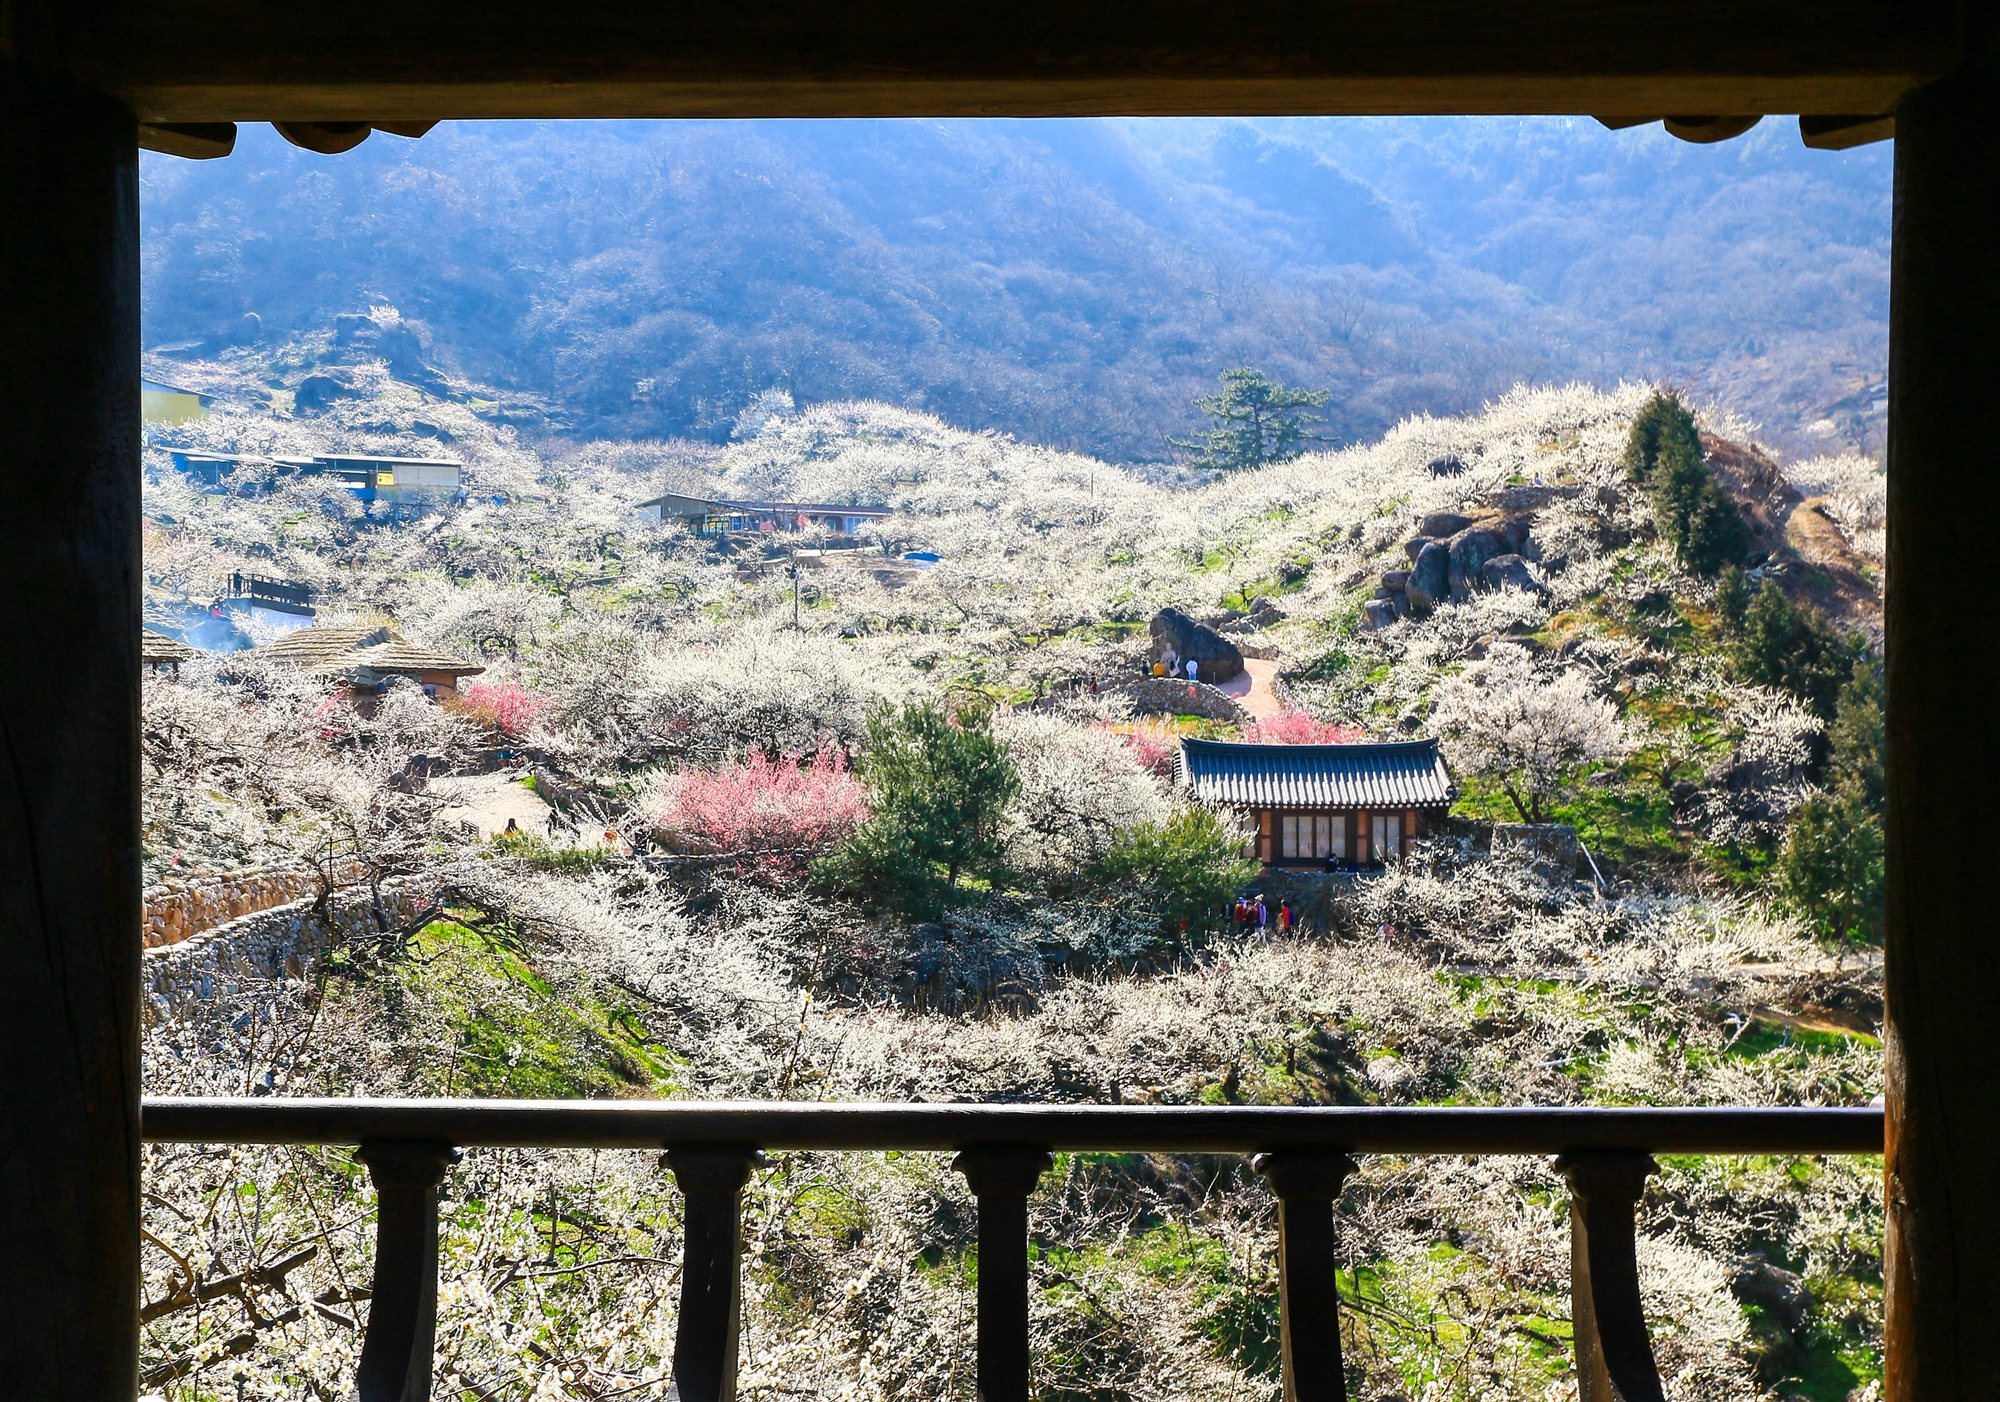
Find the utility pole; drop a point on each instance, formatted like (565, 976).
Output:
(795, 586)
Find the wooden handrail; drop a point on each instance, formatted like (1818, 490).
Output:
(565, 1124)
(1304, 1153)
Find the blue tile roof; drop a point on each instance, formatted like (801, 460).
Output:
(1405, 774)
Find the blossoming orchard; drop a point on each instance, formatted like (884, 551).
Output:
(932, 844)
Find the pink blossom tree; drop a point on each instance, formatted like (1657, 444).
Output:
(782, 811)
(502, 705)
(1298, 728)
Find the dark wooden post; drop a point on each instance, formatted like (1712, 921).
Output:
(1002, 1180)
(396, 1357)
(1942, 1230)
(1614, 1353)
(705, 1339)
(69, 731)
(1307, 1184)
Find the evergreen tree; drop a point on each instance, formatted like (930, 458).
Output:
(1832, 870)
(1664, 419)
(1732, 598)
(1256, 421)
(1694, 512)
(1860, 739)
(1793, 649)
(939, 783)
(1181, 871)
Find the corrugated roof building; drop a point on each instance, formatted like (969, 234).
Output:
(1344, 807)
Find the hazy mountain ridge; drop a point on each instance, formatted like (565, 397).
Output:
(1076, 283)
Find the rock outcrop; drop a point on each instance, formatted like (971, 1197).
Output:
(1216, 658)
(1452, 557)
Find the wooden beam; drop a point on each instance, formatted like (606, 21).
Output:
(69, 742)
(1942, 1043)
(372, 60)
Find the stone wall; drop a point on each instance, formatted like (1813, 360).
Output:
(281, 942)
(1162, 695)
(182, 907)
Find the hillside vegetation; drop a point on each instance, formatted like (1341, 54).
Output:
(1071, 942)
(1074, 283)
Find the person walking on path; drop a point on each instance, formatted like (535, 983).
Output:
(1193, 670)
(1263, 915)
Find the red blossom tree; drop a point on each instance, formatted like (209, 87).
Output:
(1156, 747)
(502, 705)
(1298, 728)
(786, 809)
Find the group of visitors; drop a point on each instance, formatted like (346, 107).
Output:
(1253, 910)
(1171, 665)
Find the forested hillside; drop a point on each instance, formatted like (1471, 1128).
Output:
(1077, 284)
(900, 850)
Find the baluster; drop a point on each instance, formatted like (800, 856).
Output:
(402, 1310)
(1614, 1353)
(711, 1180)
(1002, 1180)
(1307, 1182)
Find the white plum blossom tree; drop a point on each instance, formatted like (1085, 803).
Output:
(1502, 720)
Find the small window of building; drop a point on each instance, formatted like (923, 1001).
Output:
(1291, 832)
(1386, 836)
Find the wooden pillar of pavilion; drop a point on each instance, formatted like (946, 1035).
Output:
(69, 750)
(1943, 980)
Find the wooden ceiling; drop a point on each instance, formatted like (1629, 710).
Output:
(413, 61)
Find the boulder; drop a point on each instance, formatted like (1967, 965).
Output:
(1264, 609)
(1378, 613)
(1216, 658)
(1415, 547)
(1514, 530)
(1429, 583)
(1509, 572)
(1550, 845)
(1395, 579)
(1470, 550)
(1779, 1293)
(316, 393)
(1440, 524)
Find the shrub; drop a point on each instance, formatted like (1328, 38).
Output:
(1299, 728)
(939, 783)
(1793, 649)
(762, 806)
(1183, 870)
(1832, 870)
(503, 706)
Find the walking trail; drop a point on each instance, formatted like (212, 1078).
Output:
(1252, 688)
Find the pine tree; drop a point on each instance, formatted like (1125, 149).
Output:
(1794, 650)
(1860, 739)
(1732, 598)
(1257, 421)
(1663, 419)
(939, 783)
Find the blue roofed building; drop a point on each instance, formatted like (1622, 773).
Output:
(1323, 807)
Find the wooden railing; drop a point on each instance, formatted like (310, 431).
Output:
(1305, 1155)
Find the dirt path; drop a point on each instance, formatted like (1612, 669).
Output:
(1252, 688)
(487, 801)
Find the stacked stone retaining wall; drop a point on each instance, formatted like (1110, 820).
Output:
(281, 942)
(181, 908)
(1157, 695)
